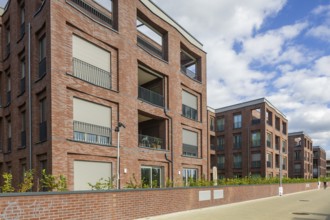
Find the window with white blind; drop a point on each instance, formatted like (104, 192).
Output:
(91, 63)
(189, 105)
(190, 143)
(90, 172)
(91, 122)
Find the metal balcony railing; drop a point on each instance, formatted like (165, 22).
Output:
(93, 12)
(42, 67)
(190, 150)
(189, 112)
(92, 74)
(145, 44)
(256, 164)
(91, 133)
(151, 96)
(151, 142)
(43, 131)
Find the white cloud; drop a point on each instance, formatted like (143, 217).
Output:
(322, 32)
(322, 66)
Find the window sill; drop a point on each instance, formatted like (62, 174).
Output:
(41, 77)
(153, 55)
(21, 148)
(41, 142)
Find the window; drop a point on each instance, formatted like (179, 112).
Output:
(269, 118)
(237, 161)
(284, 162)
(237, 141)
(297, 168)
(42, 56)
(255, 139)
(190, 65)
(151, 37)
(277, 142)
(269, 160)
(277, 123)
(212, 125)
(284, 146)
(297, 155)
(220, 124)
(237, 121)
(256, 160)
(151, 177)
(284, 128)
(221, 161)
(9, 132)
(297, 142)
(22, 20)
(256, 116)
(221, 143)
(86, 172)
(91, 122)
(43, 120)
(23, 129)
(189, 175)
(91, 63)
(190, 143)
(7, 51)
(189, 105)
(269, 140)
(22, 81)
(8, 89)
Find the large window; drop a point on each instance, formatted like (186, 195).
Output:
(221, 161)
(91, 122)
(269, 160)
(189, 105)
(297, 155)
(283, 146)
(269, 117)
(237, 121)
(297, 168)
(42, 56)
(190, 143)
(221, 143)
(91, 63)
(220, 124)
(256, 139)
(237, 141)
(23, 129)
(9, 132)
(256, 160)
(256, 116)
(22, 80)
(237, 161)
(42, 120)
(189, 175)
(269, 140)
(151, 177)
(86, 172)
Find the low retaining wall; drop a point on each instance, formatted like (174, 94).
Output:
(131, 204)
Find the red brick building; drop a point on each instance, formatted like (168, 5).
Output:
(300, 155)
(319, 162)
(72, 71)
(249, 139)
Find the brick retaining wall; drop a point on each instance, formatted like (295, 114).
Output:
(131, 204)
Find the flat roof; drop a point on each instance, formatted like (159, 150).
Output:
(299, 133)
(249, 103)
(160, 13)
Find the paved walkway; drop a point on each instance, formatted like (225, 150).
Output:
(312, 205)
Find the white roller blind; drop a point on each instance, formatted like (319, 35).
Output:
(189, 137)
(256, 157)
(91, 113)
(89, 53)
(89, 172)
(189, 99)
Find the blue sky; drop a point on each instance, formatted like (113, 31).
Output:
(277, 49)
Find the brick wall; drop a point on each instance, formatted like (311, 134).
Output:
(131, 204)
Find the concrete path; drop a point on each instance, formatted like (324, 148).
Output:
(312, 205)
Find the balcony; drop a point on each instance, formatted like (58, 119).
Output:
(237, 165)
(93, 12)
(43, 131)
(256, 164)
(189, 112)
(151, 142)
(191, 74)
(90, 133)
(151, 96)
(91, 74)
(190, 150)
(190, 65)
(150, 47)
(42, 67)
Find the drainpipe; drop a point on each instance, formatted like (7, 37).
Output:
(171, 134)
(30, 96)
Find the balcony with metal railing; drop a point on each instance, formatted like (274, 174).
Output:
(191, 74)
(90, 133)
(151, 96)
(91, 74)
(149, 46)
(93, 12)
(151, 142)
(189, 112)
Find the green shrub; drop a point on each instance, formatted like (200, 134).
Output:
(7, 186)
(27, 183)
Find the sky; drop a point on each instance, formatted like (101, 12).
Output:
(278, 49)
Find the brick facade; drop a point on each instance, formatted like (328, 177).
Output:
(57, 22)
(319, 162)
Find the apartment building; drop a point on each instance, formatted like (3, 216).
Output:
(319, 162)
(328, 168)
(300, 155)
(249, 139)
(80, 77)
